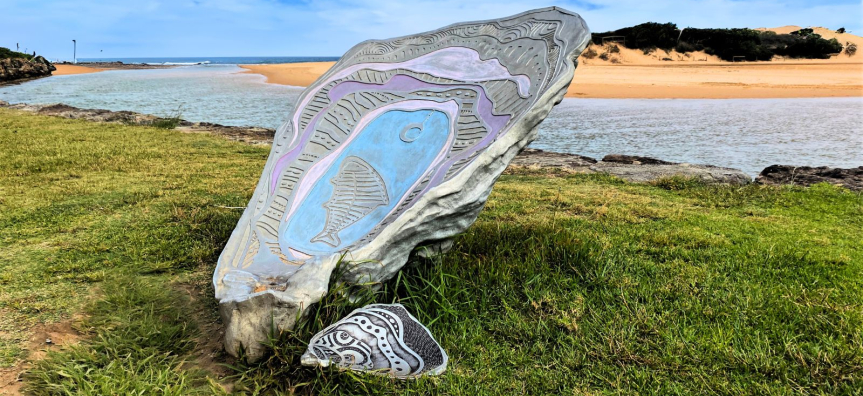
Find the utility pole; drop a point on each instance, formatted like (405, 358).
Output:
(74, 51)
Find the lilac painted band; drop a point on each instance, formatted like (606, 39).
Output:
(397, 83)
(450, 62)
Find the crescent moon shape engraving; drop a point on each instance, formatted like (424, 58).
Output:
(403, 135)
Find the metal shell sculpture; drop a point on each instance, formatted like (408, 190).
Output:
(382, 339)
(397, 146)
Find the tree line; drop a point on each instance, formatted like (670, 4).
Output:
(727, 44)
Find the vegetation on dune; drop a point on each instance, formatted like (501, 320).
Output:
(6, 53)
(567, 284)
(727, 44)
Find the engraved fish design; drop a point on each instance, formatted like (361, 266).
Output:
(381, 339)
(358, 190)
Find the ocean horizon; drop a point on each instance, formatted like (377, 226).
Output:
(214, 60)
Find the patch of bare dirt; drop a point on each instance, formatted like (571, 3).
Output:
(209, 354)
(46, 337)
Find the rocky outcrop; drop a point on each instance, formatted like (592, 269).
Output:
(535, 158)
(634, 160)
(251, 135)
(629, 167)
(644, 173)
(13, 69)
(806, 176)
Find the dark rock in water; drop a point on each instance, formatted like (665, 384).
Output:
(12, 69)
(635, 160)
(806, 175)
(547, 159)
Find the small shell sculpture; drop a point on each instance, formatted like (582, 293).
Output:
(380, 338)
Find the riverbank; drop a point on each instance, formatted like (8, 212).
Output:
(567, 283)
(667, 80)
(636, 169)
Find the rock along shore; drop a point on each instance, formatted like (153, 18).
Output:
(16, 69)
(631, 168)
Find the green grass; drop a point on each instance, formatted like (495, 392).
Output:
(567, 284)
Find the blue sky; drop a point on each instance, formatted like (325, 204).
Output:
(123, 28)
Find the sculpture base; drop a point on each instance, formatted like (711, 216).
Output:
(251, 322)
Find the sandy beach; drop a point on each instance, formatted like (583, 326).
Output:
(65, 70)
(791, 79)
(630, 73)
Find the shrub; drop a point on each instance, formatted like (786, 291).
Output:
(6, 53)
(803, 32)
(684, 47)
(850, 48)
(840, 30)
(648, 50)
(165, 123)
(614, 49)
(813, 46)
(650, 34)
(170, 122)
(589, 54)
(604, 56)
